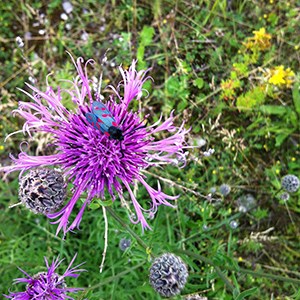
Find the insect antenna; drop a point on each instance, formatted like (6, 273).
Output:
(131, 131)
(139, 126)
(135, 129)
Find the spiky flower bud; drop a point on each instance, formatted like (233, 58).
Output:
(42, 190)
(290, 183)
(225, 189)
(124, 244)
(168, 275)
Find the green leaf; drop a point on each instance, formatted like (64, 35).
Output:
(146, 35)
(252, 98)
(106, 202)
(282, 136)
(182, 105)
(274, 109)
(296, 97)
(172, 85)
(246, 293)
(140, 53)
(199, 82)
(97, 203)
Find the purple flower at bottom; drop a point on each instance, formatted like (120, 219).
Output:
(89, 159)
(47, 285)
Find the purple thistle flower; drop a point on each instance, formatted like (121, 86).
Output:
(89, 159)
(47, 285)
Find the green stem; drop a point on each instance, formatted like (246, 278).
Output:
(225, 222)
(210, 262)
(123, 224)
(110, 279)
(226, 281)
(241, 270)
(268, 275)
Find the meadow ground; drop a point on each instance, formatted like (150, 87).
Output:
(230, 71)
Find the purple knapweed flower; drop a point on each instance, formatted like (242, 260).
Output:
(88, 158)
(47, 285)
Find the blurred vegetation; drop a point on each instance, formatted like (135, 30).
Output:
(218, 64)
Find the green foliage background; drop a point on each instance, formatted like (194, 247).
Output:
(191, 47)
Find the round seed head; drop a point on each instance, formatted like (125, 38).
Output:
(225, 189)
(246, 202)
(42, 190)
(124, 244)
(234, 224)
(168, 275)
(213, 189)
(290, 183)
(205, 227)
(285, 196)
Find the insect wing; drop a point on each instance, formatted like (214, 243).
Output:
(104, 116)
(91, 118)
(96, 122)
(99, 109)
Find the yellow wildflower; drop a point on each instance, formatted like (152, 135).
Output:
(278, 76)
(281, 76)
(260, 40)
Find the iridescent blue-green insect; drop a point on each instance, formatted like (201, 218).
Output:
(102, 119)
